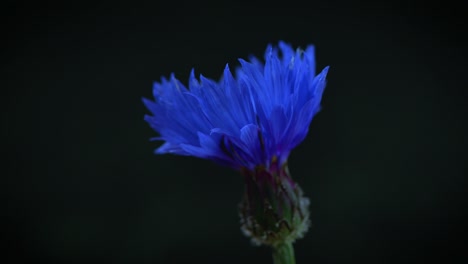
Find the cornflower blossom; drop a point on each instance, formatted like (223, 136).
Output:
(249, 121)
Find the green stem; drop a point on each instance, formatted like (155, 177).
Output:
(284, 254)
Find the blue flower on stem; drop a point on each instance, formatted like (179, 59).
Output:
(249, 121)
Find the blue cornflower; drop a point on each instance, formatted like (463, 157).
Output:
(250, 120)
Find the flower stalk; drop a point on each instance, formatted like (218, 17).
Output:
(284, 254)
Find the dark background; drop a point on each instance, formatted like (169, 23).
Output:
(384, 163)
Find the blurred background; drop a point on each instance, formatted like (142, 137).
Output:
(384, 163)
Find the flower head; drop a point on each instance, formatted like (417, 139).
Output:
(252, 119)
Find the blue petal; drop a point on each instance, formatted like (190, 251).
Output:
(309, 58)
(195, 151)
(169, 148)
(300, 125)
(150, 105)
(207, 143)
(278, 122)
(250, 137)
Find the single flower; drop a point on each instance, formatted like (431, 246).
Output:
(250, 122)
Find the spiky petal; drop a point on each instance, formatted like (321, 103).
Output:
(245, 121)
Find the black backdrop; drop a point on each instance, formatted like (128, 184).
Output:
(383, 164)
